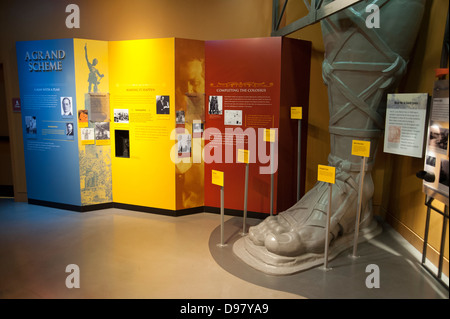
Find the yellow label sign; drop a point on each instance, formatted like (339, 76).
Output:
(296, 112)
(217, 177)
(243, 156)
(361, 148)
(326, 174)
(103, 142)
(87, 142)
(269, 135)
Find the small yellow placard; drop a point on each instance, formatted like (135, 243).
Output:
(102, 142)
(87, 142)
(217, 177)
(269, 135)
(361, 148)
(326, 174)
(296, 112)
(243, 156)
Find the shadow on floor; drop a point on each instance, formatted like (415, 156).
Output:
(401, 274)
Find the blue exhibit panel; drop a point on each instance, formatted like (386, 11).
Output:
(49, 121)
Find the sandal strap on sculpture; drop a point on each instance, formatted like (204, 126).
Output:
(385, 71)
(343, 165)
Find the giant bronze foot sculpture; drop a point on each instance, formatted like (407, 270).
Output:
(361, 66)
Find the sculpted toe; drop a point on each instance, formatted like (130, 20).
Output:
(256, 236)
(285, 244)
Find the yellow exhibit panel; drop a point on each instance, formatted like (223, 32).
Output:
(142, 94)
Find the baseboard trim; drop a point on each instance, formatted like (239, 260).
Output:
(160, 211)
(146, 209)
(75, 208)
(235, 212)
(6, 191)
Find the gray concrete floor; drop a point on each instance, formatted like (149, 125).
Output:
(126, 254)
(401, 275)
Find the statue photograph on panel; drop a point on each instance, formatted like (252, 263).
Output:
(361, 66)
(94, 74)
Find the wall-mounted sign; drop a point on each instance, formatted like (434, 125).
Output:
(16, 104)
(405, 124)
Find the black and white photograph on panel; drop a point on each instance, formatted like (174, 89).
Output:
(87, 134)
(438, 139)
(121, 116)
(184, 145)
(162, 104)
(66, 106)
(31, 126)
(102, 131)
(430, 161)
(215, 104)
(233, 117)
(122, 138)
(443, 176)
(69, 130)
(180, 117)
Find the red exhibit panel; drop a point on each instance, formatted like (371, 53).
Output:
(250, 86)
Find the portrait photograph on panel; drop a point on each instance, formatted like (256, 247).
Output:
(180, 117)
(69, 129)
(31, 126)
(66, 106)
(162, 104)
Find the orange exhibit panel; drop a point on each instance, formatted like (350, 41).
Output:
(251, 85)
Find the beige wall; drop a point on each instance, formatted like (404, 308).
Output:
(398, 196)
(405, 208)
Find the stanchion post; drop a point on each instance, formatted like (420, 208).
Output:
(443, 236)
(271, 177)
(270, 136)
(327, 174)
(297, 114)
(327, 234)
(359, 148)
(222, 226)
(218, 178)
(427, 226)
(244, 220)
(358, 213)
(299, 153)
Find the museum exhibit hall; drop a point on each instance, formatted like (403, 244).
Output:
(259, 150)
